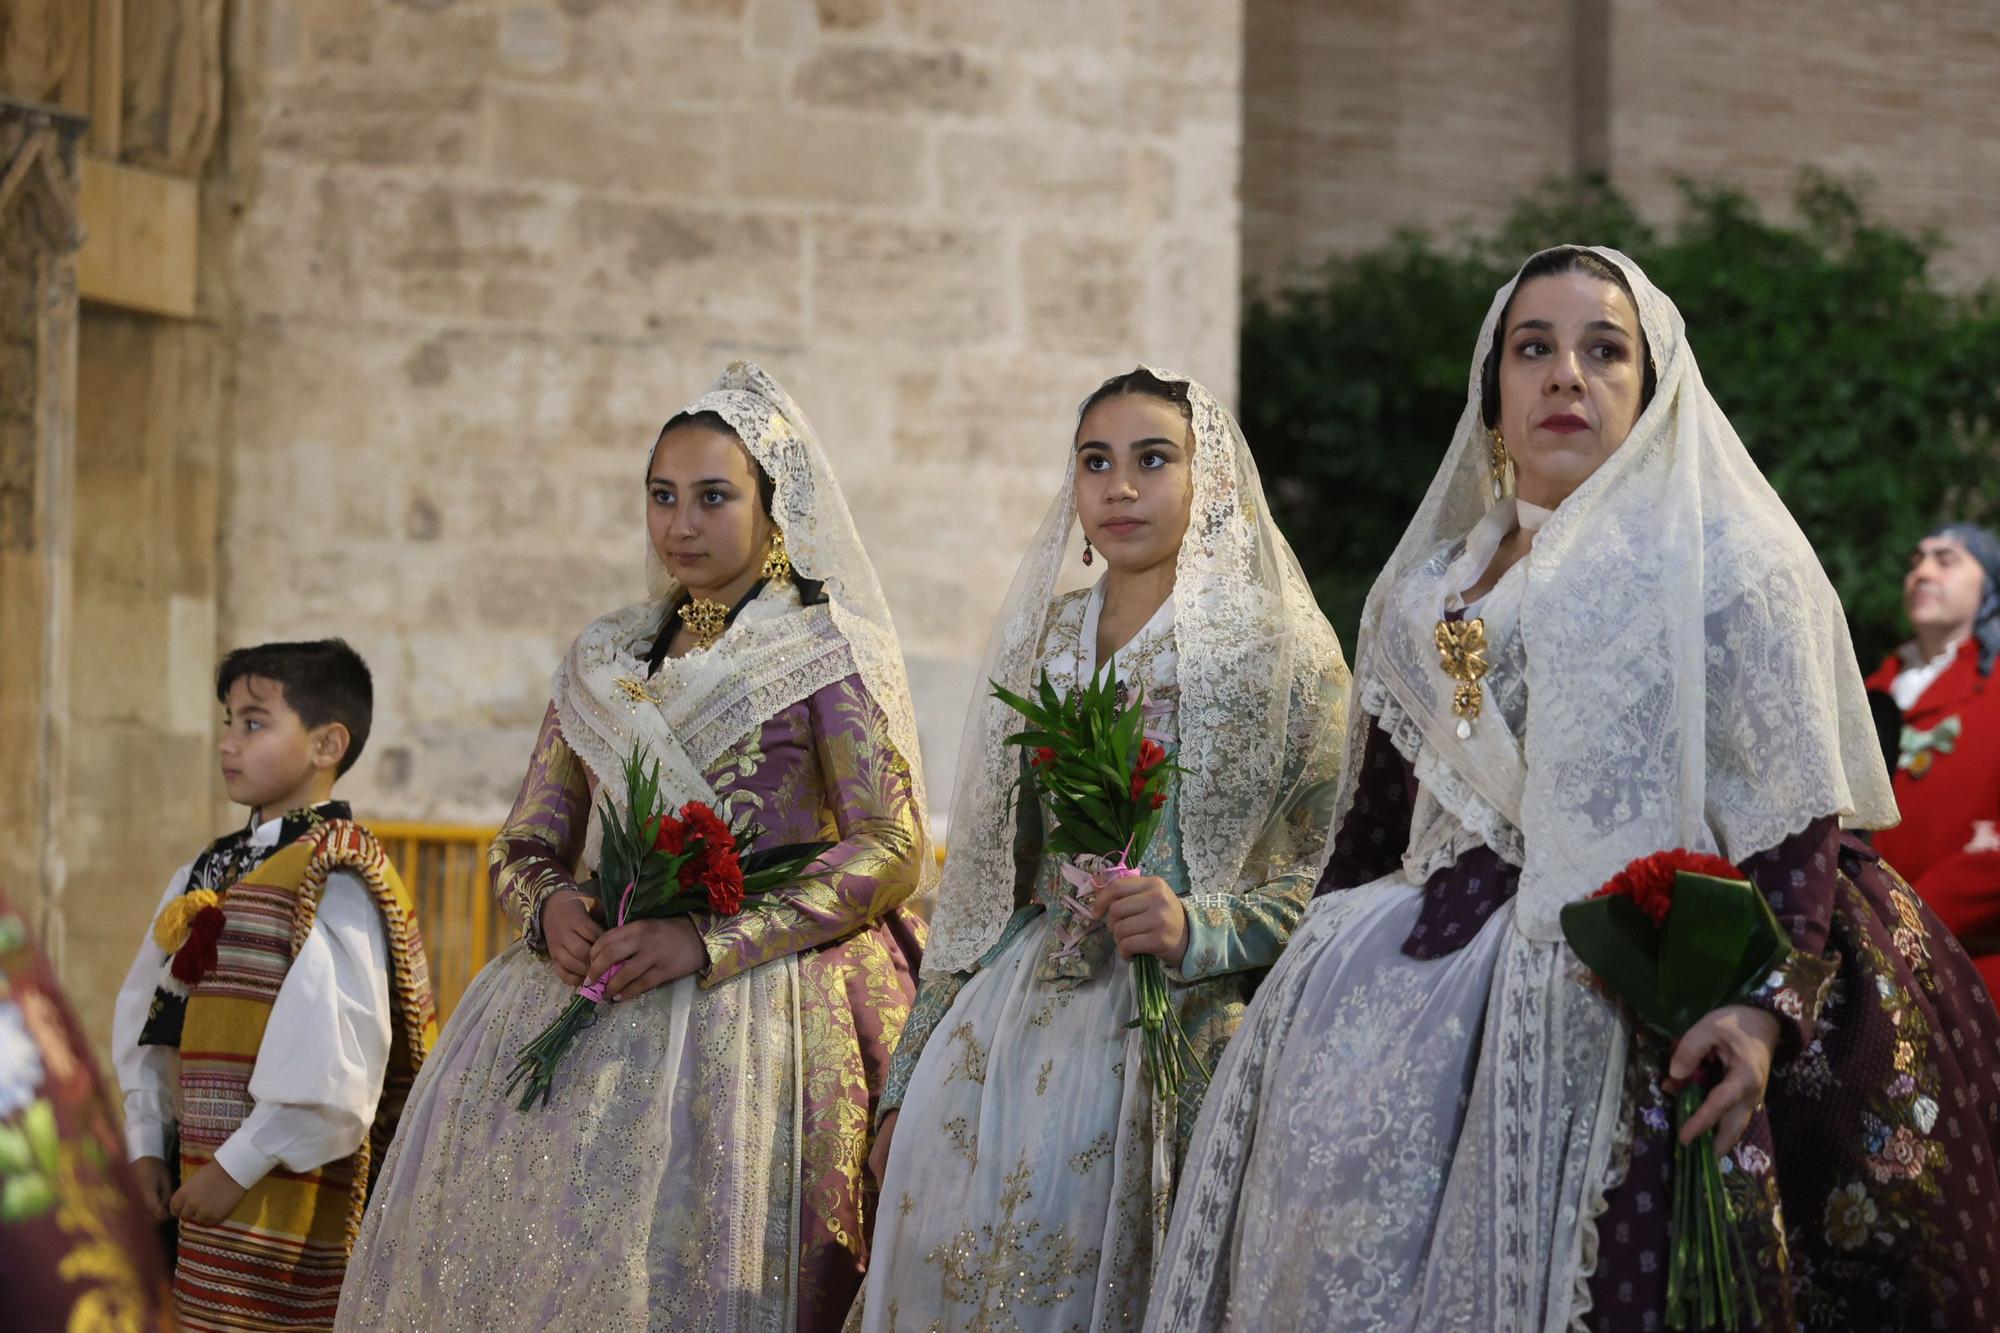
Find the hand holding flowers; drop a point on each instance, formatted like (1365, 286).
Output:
(1105, 783)
(645, 954)
(1145, 916)
(1743, 1040)
(1682, 938)
(670, 866)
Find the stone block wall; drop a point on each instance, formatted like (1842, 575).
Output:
(478, 250)
(140, 783)
(1364, 116)
(1903, 94)
(1367, 115)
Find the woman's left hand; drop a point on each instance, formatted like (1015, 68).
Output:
(652, 953)
(1744, 1040)
(1145, 916)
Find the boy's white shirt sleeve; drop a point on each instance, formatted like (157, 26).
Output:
(325, 1050)
(149, 1076)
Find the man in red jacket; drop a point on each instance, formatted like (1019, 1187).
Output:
(1939, 693)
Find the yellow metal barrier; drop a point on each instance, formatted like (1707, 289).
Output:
(444, 866)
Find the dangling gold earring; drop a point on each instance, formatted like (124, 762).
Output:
(1496, 463)
(1087, 557)
(777, 565)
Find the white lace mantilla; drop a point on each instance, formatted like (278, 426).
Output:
(773, 654)
(1263, 691)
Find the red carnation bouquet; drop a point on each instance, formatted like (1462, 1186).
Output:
(1105, 782)
(670, 865)
(1677, 935)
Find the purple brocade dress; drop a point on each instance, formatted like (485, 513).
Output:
(701, 1163)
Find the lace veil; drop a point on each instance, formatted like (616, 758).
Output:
(775, 653)
(1263, 690)
(1698, 683)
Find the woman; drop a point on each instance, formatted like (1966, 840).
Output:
(699, 1165)
(1030, 1168)
(1429, 1087)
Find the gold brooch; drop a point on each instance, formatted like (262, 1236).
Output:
(635, 691)
(1461, 648)
(705, 620)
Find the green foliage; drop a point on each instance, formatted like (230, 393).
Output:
(1869, 395)
(1091, 742)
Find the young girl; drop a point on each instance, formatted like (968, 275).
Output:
(699, 1164)
(1032, 1167)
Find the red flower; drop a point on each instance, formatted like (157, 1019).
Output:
(723, 878)
(704, 823)
(1649, 881)
(197, 958)
(1159, 799)
(1043, 757)
(672, 837)
(1151, 755)
(715, 867)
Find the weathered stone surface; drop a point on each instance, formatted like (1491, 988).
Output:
(642, 149)
(819, 161)
(367, 122)
(1097, 29)
(850, 13)
(894, 80)
(1082, 294)
(900, 283)
(534, 39)
(671, 271)
(1097, 180)
(649, 55)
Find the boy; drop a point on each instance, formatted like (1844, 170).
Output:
(277, 1010)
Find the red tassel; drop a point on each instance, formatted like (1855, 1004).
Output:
(197, 958)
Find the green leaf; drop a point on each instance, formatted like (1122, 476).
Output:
(787, 853)
(15, 1154)
(24, 1197)
(1050, 699)
(1016, 702)
(39, 1124)
(1720, 940)
(1620, 944)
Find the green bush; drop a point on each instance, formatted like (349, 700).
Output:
(1868, 394)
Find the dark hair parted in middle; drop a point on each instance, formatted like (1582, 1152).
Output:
(811, 591)
(1142, 381)
(1562, 259)
(715, 421)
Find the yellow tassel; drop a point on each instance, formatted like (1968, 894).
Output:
(170, 932)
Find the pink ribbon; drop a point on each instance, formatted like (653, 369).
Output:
(1089, 874)
(594, 992)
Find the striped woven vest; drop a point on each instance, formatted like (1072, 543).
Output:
(278, 1260)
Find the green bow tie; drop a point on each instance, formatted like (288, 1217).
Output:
(1916, 748)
